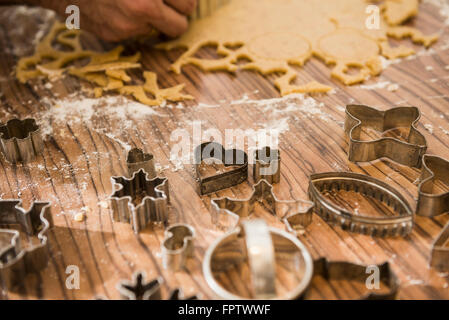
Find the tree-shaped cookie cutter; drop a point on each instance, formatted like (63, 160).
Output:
(296, 214)
(21, 140)
(152, 196)
(16, 260)
(178, 246)
(408, 153)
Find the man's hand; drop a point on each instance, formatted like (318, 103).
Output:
(115, 20)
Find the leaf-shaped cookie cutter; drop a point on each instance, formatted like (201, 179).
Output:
(21, 140)
(431, 204)
(232, 157)
(400, 225)
(153, 206)
(296, 214)
(407, 152)
(178, 245)
(16, 261)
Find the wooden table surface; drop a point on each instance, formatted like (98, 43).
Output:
(80, 157)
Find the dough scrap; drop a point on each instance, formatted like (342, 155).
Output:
(106, 70)
(277, 35)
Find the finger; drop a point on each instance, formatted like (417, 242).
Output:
(171, 22)
(183, 6)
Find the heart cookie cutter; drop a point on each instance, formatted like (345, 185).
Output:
(408, 153)
(16, 261)
(296, 214)
(178, 246)
(431, 204)
(152, 195)
(21, 140)
(137, 159)
(234, 157)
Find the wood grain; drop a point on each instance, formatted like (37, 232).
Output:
(79, 159)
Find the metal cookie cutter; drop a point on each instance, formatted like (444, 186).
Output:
(234, 157)
(296, 214)
(139, 289)
(430, 203)
(367, 186)
(261, 247)
(177, 246)
(21, 140)
(407, 152)
(16, 261)
(267, 165)
(139, 200)
(340, 270)
(440, 251)
(137, 159)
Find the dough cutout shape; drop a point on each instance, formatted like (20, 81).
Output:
(276, 36)
(106, 71)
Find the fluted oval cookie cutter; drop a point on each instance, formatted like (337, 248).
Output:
(400, 225)
(21, 140)
(408, 153)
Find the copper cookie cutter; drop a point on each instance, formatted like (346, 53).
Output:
(21, 140)
(407, 152)
(400, 225)
(16, 261)
(151, 195)
(178, 246)
(431, 204)
(137, 159)
(342, 270)
(231, 157)
(260, 246)
(267, 165)
(296, 214)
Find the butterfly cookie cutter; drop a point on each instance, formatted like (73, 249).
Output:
(342, 270)
(400, 225)
(139, 200)
(267, 165)
(431, 204)
(296, 214)
(234, 157)
(178, 246)
(137, 159)
(408, 153)
(139, 289)
(21, 140)
(15, 260)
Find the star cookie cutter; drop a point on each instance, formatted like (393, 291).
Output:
(267, 165)
(431, 204)
(440, 251)
(137, 159)
(341, 270)
(408, 153)
(152, 196)
(234, 157)
(139, 289)
(15, 260)
(21, 140)
(400, 225)
(296, 214)
(178, 246)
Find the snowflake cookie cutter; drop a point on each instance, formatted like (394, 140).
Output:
(137, 159)
(152, 196)
(21, 140)
(178, 246)
(408, 153)
(226, 213)
(430, 203)
(15, 260)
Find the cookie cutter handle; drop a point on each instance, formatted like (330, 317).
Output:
(261, 258)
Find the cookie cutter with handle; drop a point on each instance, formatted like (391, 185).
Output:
(408, 153)
(15, 260)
